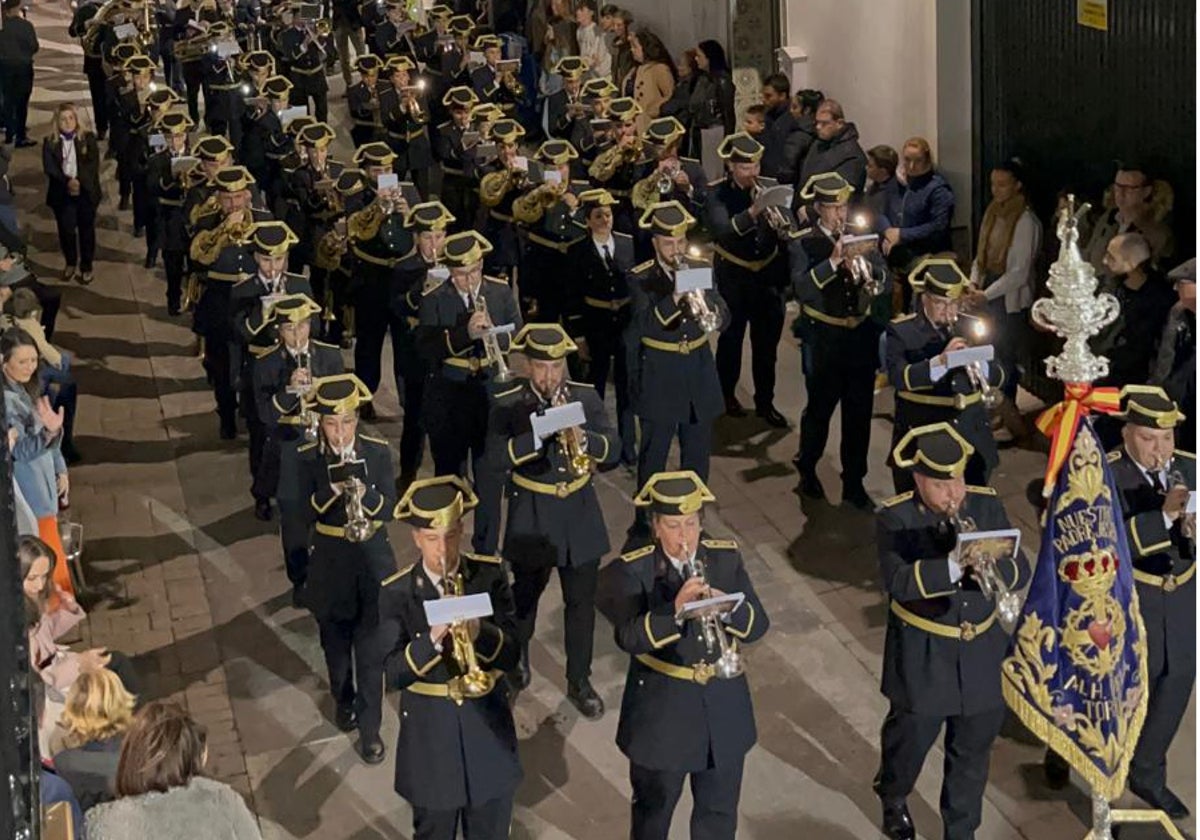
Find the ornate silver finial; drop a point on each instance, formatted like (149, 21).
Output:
(1074, 310)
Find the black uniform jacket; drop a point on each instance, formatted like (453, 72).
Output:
(450, 756)
(668, 722)
(443, 338)
(672, 373)
(596, 296)
(744, 248)
(924, 672)
(344, 577)
(554, 517)
(1168, 604)
(912, 344)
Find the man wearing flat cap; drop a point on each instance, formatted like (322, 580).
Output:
(686, 711)
(347, 480)
(944, 645)
(456, 757)
(283, 376)
(845, 305)
(927, 390)
(222, 254)
(167, 192)
(750, 267)
(554, 517)
(672, 375)
(454, 334)
(1155, 480)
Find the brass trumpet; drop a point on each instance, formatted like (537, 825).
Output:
(697, 304)
(473, 681)
(573, 440)
(491, 342)
(991, 583)
(716, 640)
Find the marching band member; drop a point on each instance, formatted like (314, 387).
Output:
(489, 83)
(1154, 480)
(313, 202)
(673, 379)
(167, 189)
(554, 517)
(283, 377)
(406, 123)
(619, 158)
(362, 98)
(500, 185)
(86, 27)
(223, 81)
(200, 200)
(463, 358)
(391, 38)
(459, 193)
(944, 646)
(262, 132)
(597, 95)
(348, 481)
(846, 305)
(566, 116)
(307, 51)
(926, 392)
(128, 138)
(456, 757)
(669, 176)
(686, 710)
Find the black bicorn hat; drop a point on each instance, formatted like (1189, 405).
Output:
(674, 493)
(436, 502)
(936, 450)
(544, 342)
(1149, 405)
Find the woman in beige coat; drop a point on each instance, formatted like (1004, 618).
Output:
(652, 79)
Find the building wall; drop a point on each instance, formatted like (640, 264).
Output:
(682, 23)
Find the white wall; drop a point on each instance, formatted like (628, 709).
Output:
(896, 66)
(682, 23)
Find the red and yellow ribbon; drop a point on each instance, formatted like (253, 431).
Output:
(1060, 422)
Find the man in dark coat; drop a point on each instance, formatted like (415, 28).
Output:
(836, 148)
(554, 516)
(944, 646)
(456, 757)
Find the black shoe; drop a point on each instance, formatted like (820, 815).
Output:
(228, 428)
(262, 510)
(101, 136)
(733, 408)
(25, 143)
(366, 412)
(897, 822)
(1160, 798)
(524, 674)
(1056, 770)
(810, 485)
(138, 231)
(124, 203)
(173, 310)
(85, 278)
(372, 750)
(345, 718)
(772, 416)
(298, 601)
(584, 698)
(150, 261)
(855, 496)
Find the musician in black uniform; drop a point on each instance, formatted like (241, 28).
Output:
(459, 193)
(489, 83)
(672, 376)
(944, 645)
(282, 377)
(362, 98)
(669, 177)
(307, 53)
(406, 123)
(596, 309)
(348, 32)
(845, 312)
(223, 81)
(597, 95)
(545, 212)
(222, 254)
(554, 517)
(618, 160)
(456, 757)
(392, 35)
(416, 273)
(686, 710)
(500, 184)
(195, 22)
(926, 392)
(566, 116)
(129, 136)
(751, 273)
(93, 65)
(166, 189)
(313, 202)
(262, 132)
(1154, 480)
(348, 481)
(455, 318)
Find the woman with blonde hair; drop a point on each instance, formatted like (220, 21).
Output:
(91, 729)
(71, 161)
(161, 788)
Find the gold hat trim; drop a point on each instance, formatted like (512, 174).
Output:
(688, 503)
(952, 470)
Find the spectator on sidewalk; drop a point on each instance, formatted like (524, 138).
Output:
(91, 730)
(593, 48)
(71, 161)
(710, 104)
(651, 81)
(782, 139)
(836, 148)
(1175, 368)
(18, 44)
(1135, 203)
(8, 207)
(162, 791)
(883, 187)
(919, 225)
(54, 371)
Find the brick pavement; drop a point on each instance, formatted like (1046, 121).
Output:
(191, 585)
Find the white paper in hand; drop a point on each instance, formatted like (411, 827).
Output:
(289, 114)
(692, 279)
(555, 420)
(551, 176)
(180, 164)
(964, 357)
(780, 196)
(462, 608)
(1191, 503)
(520, 163)
(125, 31)
(502, 329)
(387, 181)
(717, 605)
(158, 141)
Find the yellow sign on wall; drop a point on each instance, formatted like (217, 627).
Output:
(1092, 14)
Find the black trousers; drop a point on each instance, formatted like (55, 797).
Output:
(76, 220)
(579, 599)
(193, 80)
(759, 306)
(411, 368)
(293, 533)
(303, 89)
(608, 353)
(715, 794)
(850, 383)
(257, 430)
(456, 421)
(173, 266)
(695, 446)
(352, 650)
(373, 321)
(94, 70)
(489, 821)
(220, 375)
(16, 86)
(906, 740)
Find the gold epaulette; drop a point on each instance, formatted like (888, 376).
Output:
(799, 234)
(499, 280)
(398, 575)
(427, 290)
(982, 491)
(1189, 455)
(325, 344)
(895, 500)
(905, 317)
(380, 441)
(260, 353)
(717, 182)
(638, 553)
(431, 283)
(643, 266)
(1115, 456)
(307, 446)
(728, 545)
(510, 391)
(580, 384)
(689, 160)
(482, 558)
(618, 235)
